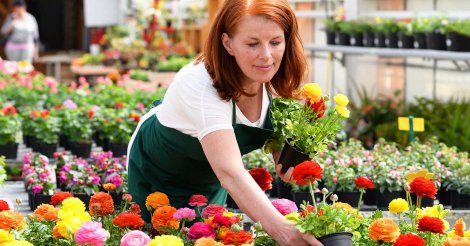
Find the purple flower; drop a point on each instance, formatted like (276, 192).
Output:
(37, 188)
(185, 214)
(96, 180)
(285, 206)
(70, 104)
(116, 180)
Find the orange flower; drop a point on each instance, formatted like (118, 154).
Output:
(423, 187)
(162, 218)
(129, 220)
(46, 212)
(105, 201)
(56, 232)
(384, 229)
(242, 237)
(109, 187)
(156, 200)
(457, 241)
(59, 197)
(307, 172)
(459, 227)
(222, 231)
(207, 241)
(11, 220)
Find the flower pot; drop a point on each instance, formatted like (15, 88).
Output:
(117, 199)
(349, 197)
(85, 198)
(383, 199)
(391, 40)
(342, 38)
(425, 201)
(436, 41)
(300, 196)
(273, 192)
(45, 149)
(379, 40)
(97, 138)
(330, 37)
(457, 42)
(405, 41)
(464, 201)
(63, 141)
(9, 150)
(231, 203)
(368, 39)
(284, 190)
(38, 199)
(356, 39)
(445, 196)
(27, 140)
(337, 239)
(81, 149)
(291, 157)
(105, 144)
(370, 197)
(118, 149)
(419, 41)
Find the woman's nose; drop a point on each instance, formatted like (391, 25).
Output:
(265, 52)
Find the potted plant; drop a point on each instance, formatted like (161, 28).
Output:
(46, 132)
(38, 179)
(390, 29)
(10, 125)
(405, 35)
(118, 126)
(302, 129)
(458, 35)
(78, 128)
(343, 34)
(357, 33)
(436, 30)
(331, 27)
(419, 27)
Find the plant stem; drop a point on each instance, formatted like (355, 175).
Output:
(360, 199)
(429, 237)
(310, 188)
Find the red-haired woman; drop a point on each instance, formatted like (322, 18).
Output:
(217, 109)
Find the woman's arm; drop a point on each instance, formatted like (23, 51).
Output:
(8, 25)
(223, 154)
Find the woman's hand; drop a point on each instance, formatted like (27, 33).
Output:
(287, 176)
(288, 235)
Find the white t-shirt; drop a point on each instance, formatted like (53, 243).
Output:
(192, 105)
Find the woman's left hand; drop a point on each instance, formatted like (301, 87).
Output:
(287, 176)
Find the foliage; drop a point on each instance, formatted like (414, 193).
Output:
(139, 75)
(46, 127)
(119, 124)
(10, 124)
(461, 27)
(77, 125)
(434, 25)
(173, 64)
(3, 173)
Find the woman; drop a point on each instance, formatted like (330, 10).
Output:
(217, 109)
(21, 30)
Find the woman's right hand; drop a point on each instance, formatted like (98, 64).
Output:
(288, 235)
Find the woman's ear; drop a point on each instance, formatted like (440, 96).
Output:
(227, 43)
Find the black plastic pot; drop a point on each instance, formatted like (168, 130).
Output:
(368, 39)
(118, 149)
(273, 192)
(291, 157)
(370, 197)
(63, 141)
(445, 196)
(436, 41)
(391, 40)
(383, 199)
(457, 42)
(404, 41)
(105, 144)
(81, 149)
(425, 201)
(379, 40)
(27, 140)
(460, 201)
(9, 150)
(39, 199)
(284, 190)
(330, 37)
(349, 197)
(342, 38)
(337, 239)
(300, 196)
(97, 138)
(356, 39)
(45, 149)
(419, 41)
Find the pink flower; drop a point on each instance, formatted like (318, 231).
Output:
(200, 229)
(285, 206)
(37, 188)
(117, 180)
(135, 238)
(140, 106)
(70, 104)
(197, 200)
(212, 210)
(91, 233)
(185, 214)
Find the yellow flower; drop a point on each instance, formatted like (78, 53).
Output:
(69, 223)
(312, 92)
(166, 240)
(341, 100)
(398, 205)
(293, 217)
(71, 205)
(420, 173)
(349, 209)
(467, 233)
(5, 237)
(228, 214)
(343, 111)
(18, 243)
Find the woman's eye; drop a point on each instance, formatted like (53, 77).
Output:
(275, 43)
(253, 44)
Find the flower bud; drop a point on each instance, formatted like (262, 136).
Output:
(324, 191)
(127, 197)
(407, 187)
(235, 228)
(18, 201)
(258, 226)
(334, 197)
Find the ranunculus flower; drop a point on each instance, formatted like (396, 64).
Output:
(384, 229)
(341, 100)
(312, 91)
(222, 220)
(398, 205)
(307, 172)
(59, 197)
(91, 233)
(166, 240)
(135, 238)
(343, 111)
(457, 241)
(241, 237)
(156, 200)
(262, 177)
(409, 239)
(363, 182)
(46, 212)
(212, 210)
(431, 224)
(185, 214)
(106, 202)
(318, 108)
(204, 241)
(459, 227)
(162, 219)
(285, 206)
(199, 230)
(197, 200)
(129, 220)
(423, 187)
(4, 206)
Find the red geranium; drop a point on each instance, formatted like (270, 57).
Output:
(317, 107)
(59, 197)
(262, 177)
(197, 200)
(363, 182)
(307, 172)
(129, 220)
(431, 224)
(409, 239)
(241, 237)
(4, 206)
(423, 187)
(9, 110)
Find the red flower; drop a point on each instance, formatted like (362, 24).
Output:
(58, 106)
(317, 107)
(432, 224)
(129, 220)
(307, 172)
(9, 110)
(423, 187)
(212, 210)
(222, 220)
(409, 239)
(363, 182)
(307, 210)
(197, 200)
(135, 208)
(91, 114)
(4, 206)
(262, 177)
(241, 237)
(59, 197)
(199, 230)
(45, 113)
(119, 105)
(106, 202)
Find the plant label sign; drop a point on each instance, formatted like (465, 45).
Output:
(417, 124)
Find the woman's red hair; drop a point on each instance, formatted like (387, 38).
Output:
(223, 68)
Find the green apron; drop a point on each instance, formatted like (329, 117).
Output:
(166, 160)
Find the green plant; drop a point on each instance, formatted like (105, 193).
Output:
(406, 28)
(118, 125)
(77, 125)
(46, 127)
(434, 25)
(332, 25)
(461, 27)
(3, 173)
(139, 75)
(387, 26)
(175, 63)
(10, 125)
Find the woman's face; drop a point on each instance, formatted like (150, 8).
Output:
(258, 45)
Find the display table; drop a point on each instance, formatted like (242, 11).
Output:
(54, 64)
(157, 80)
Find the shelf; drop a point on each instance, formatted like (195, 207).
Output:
(415, 14)
(387, 52)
